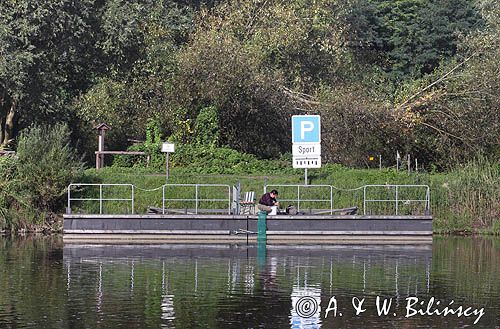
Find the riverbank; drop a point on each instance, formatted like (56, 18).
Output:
(463, 202)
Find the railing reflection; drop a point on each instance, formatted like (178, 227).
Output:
(231, 272)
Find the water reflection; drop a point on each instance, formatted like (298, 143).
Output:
(43, 284)
(167, 302)
(274, 285)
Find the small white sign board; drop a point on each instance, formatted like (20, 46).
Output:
(168, 148)
(307, 162)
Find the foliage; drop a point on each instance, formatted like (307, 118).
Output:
(357, 125)
(247, 58)
(47, 165)
(412, 37)
(39, 74)
(9, 195)
(470, 196)
(416, 76)
(141, 61)
(207, 129)
(453, 113)
(197, 158)
(38, 177)
(222, 160)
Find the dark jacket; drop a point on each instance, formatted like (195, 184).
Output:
(267, 200)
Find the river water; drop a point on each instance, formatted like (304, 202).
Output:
(451, 283)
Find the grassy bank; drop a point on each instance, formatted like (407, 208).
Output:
(466, 200)
(33, 185)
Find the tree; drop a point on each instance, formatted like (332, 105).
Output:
(253, 60)
(410, 38)
(454, 113)
(140, 62)
(46, 57)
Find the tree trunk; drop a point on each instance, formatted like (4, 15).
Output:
(2, 125)
(3, 114)
(8, 131)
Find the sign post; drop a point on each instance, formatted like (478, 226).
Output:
(167, 148)
(306, 142)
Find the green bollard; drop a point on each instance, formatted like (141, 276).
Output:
(261, 226)
(261, 239)
(261, 254)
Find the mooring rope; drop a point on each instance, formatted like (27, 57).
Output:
(148, 190)
(348, 189)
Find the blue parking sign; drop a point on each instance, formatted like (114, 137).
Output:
(306, 129)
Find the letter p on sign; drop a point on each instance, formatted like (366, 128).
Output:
(305, 126)
(306, 129)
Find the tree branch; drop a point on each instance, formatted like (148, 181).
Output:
(435, 82)
(301, 97)
(442, 131)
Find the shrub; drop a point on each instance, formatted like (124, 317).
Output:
(46, 165)
(207, 127)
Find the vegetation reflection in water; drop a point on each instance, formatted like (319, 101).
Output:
(45, 284)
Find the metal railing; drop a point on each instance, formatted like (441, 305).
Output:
(392, 195)
(197, 195)
(396, 198)
(329, 198)
(390, 198)
(101, 199)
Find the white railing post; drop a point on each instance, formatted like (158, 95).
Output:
(68, 209)
(331, 200)
(100, 199)
(228, 200)
(163, 199)
(133, 198)
(298, 197)
(428, 197)
(364, 199)
(396, 200)
(196, 199)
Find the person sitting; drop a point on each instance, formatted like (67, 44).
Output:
(267, 201)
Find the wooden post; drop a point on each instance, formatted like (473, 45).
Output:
(99, 158)
(100, 148)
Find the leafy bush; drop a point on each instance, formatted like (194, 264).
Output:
(7, 191)
(46, 165)
(152, 148)
(223, 160)
(207, 127)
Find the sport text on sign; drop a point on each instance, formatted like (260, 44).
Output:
(299, 149)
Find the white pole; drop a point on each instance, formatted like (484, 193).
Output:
(305, 176)
(166, 166)
(397, 160)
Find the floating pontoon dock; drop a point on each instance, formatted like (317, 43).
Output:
(183, 216)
